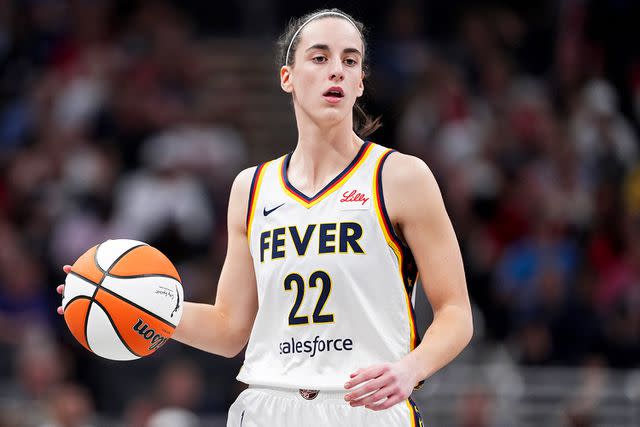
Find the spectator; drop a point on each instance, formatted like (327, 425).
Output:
(69, 406)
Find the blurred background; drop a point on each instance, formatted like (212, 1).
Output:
(131, 118)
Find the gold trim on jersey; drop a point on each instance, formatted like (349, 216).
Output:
(411, 413)
(403, 254)
(416, 418)
(307, 202)
(253, 194)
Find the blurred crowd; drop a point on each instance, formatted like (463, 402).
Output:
(527, 117)
(540, 174)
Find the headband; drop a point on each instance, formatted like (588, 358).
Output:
(317, 15)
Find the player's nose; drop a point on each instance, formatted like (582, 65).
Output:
(336, 70)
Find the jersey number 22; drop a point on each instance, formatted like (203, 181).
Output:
(318, 317)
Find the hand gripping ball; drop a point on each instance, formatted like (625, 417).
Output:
(122, 299)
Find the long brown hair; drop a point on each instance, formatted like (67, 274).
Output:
(363, 124)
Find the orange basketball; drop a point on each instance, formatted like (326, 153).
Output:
(122, 299)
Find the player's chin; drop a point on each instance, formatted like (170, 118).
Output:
(332, 114)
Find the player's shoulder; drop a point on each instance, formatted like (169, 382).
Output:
(409, 187)
(405, 171)
(242, 182)
(244, 179)
(245, 176)
(239, 198)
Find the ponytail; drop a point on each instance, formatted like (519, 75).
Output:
(364, 124)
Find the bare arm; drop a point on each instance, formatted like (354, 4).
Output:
(224, 328)
(416, 208)
(427, 229)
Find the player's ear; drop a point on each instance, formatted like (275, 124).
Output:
(361, 84)
(285, 79)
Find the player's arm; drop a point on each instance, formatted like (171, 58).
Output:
(415, 206)
(224, 327)
(427, 229)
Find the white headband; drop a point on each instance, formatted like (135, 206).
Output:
(317, 15)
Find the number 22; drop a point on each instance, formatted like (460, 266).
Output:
(318, 317)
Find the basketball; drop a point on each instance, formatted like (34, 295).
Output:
(122, 299)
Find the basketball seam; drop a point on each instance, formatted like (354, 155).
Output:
(155, 316)
(86, 279)
(106, 273)
(122, 255)
(91, 300)
(95, 259)
(120, 297)
(115, 328)
(137, 276)
(77, 297)
(99, 284)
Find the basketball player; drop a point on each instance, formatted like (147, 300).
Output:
(325, 244)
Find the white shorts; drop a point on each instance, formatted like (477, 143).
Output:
(280, 407)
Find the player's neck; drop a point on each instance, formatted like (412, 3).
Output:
(320, 155)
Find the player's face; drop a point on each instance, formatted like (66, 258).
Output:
(327, 76)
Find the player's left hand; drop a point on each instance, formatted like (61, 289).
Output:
(386, 385)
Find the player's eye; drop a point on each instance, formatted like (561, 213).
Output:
(350, 62)
(319, 59)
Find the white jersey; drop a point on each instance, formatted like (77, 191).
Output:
(335, 283)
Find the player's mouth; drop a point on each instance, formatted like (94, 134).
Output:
(333, 94)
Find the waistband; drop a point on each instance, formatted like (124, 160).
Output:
(302, 394)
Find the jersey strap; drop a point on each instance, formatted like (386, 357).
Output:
(408, 269)
(256, 182)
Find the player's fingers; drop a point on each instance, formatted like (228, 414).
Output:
(367, 388)
(66, 269)
(373, 397)
(366, 374)
(60, 310)
(386, 404)
(60, 289)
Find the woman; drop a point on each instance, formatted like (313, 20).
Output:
(324, 248)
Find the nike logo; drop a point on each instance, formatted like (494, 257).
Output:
(267, 212)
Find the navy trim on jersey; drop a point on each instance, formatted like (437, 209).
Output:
(417, 416)
(252, 189)
(409, 267)
(285, 167)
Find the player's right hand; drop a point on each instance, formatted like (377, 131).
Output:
(60, 288)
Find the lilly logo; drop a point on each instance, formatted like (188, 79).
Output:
(353, 196)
